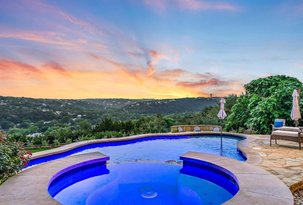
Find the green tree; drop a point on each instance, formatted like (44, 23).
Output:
(264, 100)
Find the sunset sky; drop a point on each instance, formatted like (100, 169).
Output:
(146, 48)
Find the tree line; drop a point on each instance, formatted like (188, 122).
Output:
(33, 134)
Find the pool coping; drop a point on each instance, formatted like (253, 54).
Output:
(257, 186)
(36, 179)
(31, 185)
(242, 145)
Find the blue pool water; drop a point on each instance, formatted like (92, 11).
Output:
(145, 184)
(170, 149)
(158, 148)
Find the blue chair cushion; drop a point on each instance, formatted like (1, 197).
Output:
(278, 124)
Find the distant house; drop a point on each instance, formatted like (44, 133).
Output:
(36, 134)
(58, 112)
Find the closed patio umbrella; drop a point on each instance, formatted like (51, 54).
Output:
(221, 115)
(295, 111)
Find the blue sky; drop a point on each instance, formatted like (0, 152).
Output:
(147, 48)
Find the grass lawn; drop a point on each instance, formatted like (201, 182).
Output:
(38, 149)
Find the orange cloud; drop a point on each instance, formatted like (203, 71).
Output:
(47, 81)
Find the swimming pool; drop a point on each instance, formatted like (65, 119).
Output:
(145, 183)
(156, 148)
(148, 170)
(170, 149)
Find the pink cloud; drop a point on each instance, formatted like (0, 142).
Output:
(155, 57)
(18, 68)
(11, 65)
(56, 67)
(203, 83)
(206, 5)
(191, 5)
(46, 8)
(41, 37)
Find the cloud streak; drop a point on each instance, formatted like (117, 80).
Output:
(84, 59)
(191, 5)
(55, 81)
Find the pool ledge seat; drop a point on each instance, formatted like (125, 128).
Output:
(256, 186)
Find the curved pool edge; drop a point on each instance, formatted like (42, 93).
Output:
(252, 156)
(30, 186)
(257, 186)
(77, 172)
(97, 167)
(75, 145)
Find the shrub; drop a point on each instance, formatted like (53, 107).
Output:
(37, 140)
(265, 99)
(86, 137)
(12, 158)
(107, 134)
(45, 142)
(56, 142)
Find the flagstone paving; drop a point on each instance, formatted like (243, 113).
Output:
(284, 160)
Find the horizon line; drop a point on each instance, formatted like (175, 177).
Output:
(105, 98)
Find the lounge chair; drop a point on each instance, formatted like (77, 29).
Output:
(278, 123)
(294, 134)
(197, 129)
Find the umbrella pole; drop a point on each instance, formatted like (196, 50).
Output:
(221, 136)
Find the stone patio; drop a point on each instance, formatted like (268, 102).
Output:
(283, 160)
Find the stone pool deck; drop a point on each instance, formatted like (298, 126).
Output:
(284, 161)
(30, 186)
(257, 186)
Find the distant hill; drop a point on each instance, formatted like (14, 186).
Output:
(14, 110)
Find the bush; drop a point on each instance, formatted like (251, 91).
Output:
(57, 142)
(38, 140)
(45, 142)
(265, 100)
(12, 158)
(86, 137)
(107, 134)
